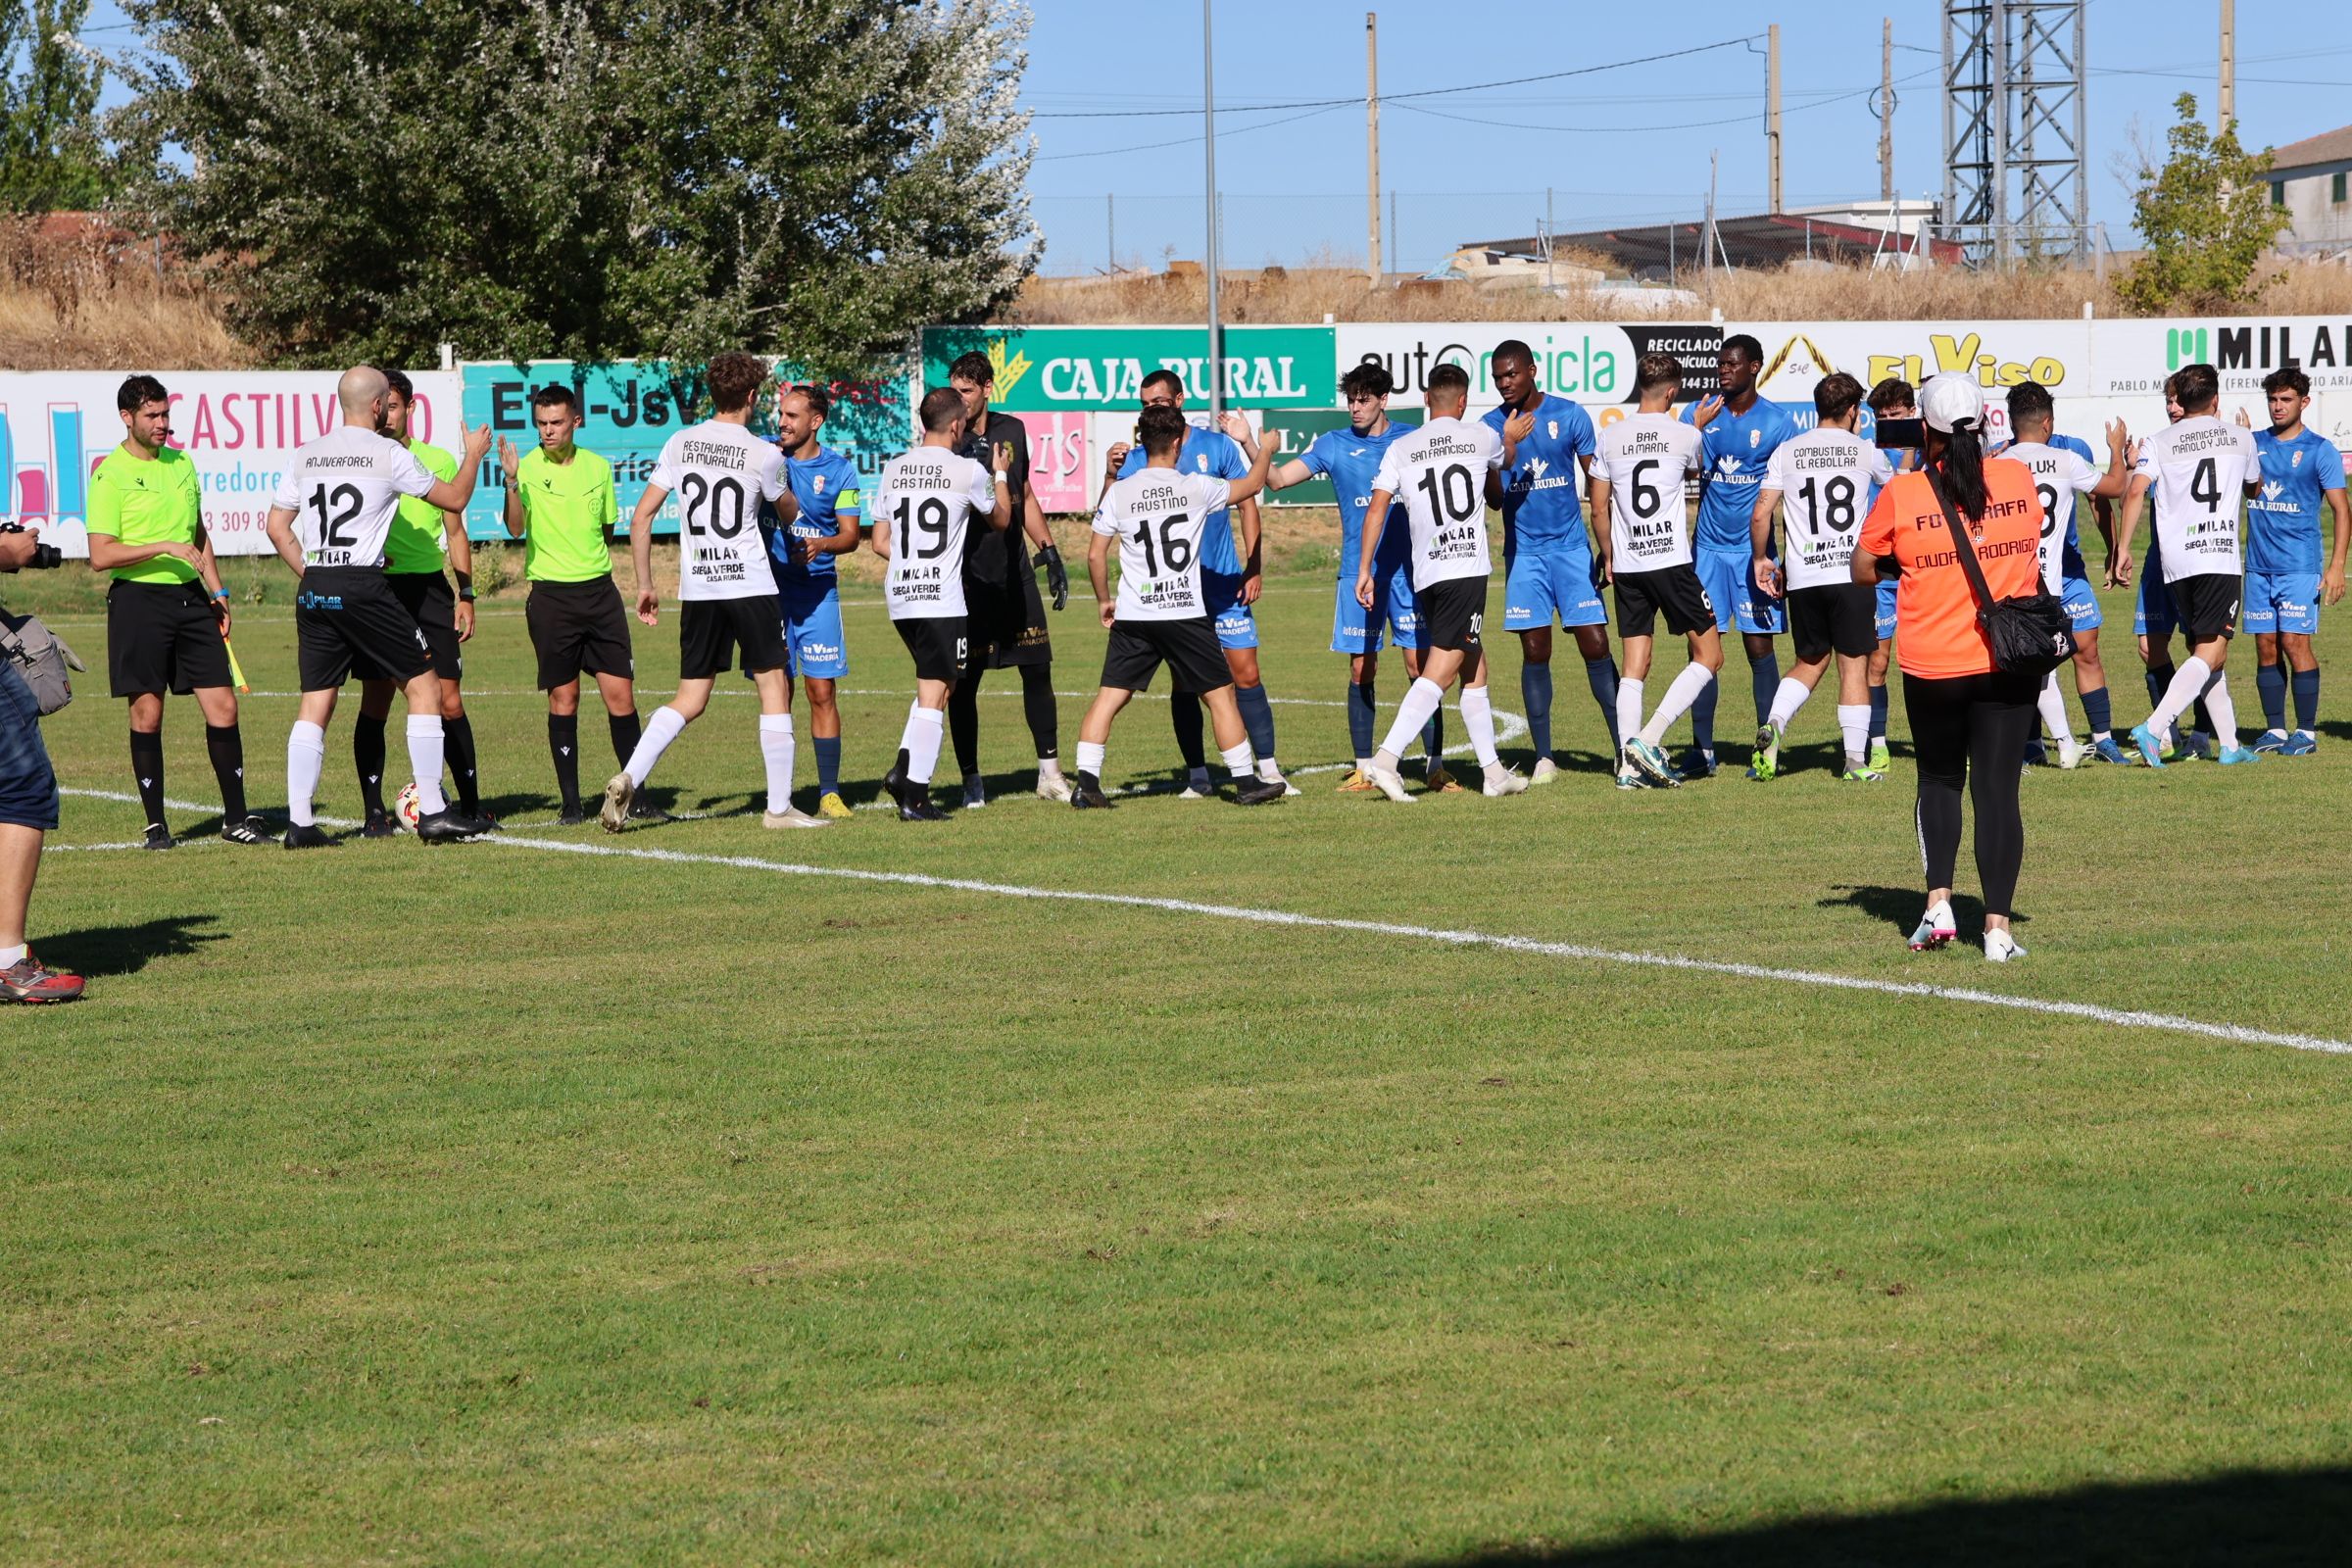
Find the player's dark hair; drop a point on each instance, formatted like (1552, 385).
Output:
(820, 400)
(1745, 346)
(1161, 429)
(1163, 376)
(1512, 348)
(973, 367)
(555, 395)
(734, 377)
(1893, 393)
(2289, 380)
(941, 406)
(137, 391)
(1451, 379)
(2196, 387)
(1370, 379)
(2030, 404)
(1960, 465)
(1654, 370)
(398, 381)
(1835, 395)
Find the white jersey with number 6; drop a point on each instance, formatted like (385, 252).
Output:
(929, 496)
(1156, 515)
(1825, 479)
(2198, 469)
(2059, 476)
(1439, 474)
(1646, 456)
(343, 489)
(723, 478)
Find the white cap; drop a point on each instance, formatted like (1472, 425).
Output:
(1952, 402)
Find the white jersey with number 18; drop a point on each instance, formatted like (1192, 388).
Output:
(1439, 474)
(929, 497)
(724, 477)
(1825, 478)
(343, 489)
(1646, 458)
(2197, 470)
(1157, 515)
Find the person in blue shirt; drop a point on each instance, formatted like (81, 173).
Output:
(1349, 459)
(1547, 557)
(1229, 577)
(2301, 469)
(1740, 430)
(808, 583)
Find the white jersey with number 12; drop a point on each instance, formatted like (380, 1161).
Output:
(343, 489)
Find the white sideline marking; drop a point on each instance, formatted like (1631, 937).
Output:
(2118, 1017)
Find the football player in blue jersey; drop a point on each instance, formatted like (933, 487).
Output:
(1892, 399)
(1547, 557)
(808, 584)
(1740, 430)
(1349, 459)
(2301, 471)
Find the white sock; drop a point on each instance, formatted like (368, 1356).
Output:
(2052, 704)
(1048, 767)
(1854, 727)
(1629, 705)
(1269, 770)
(1478, 717)
(306, 757)
(667, 725)
(1788, 699)
(1677, 701)
(775, 750)
(10, 958)
(1241, 762)
(425, 761)
(924, 727)
(2223, 710)
(1089, 758)
(1421, 698)
(2188, 681)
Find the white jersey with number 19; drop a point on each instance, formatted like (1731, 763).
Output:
(1439, 474)
(1646, 458)
(343, 489)
(724, 477)
(2197, 470)
(1156, 515)
(1826, 478)
(929, 497)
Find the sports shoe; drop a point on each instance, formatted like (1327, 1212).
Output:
(158, 837)
(2235, 754)
(2106, 750)
(2151, 749)
(1050, 787)
(1693, 764)
(1544, 771)
(572, 816)
(1879, 757)
(490, 824)
(831, 805)
(641, 811)
(253, 830)
(2036, 753)
(1442, 782)
(1767, 763)
(1861, 774)
(917, 806)
(1089, 796)
(449, 825)
(1261, 792)
(1196, 786)
(2199, 746)
(1356, 784)
(1651, 763)
(975, 792)
(35, 984)
(1627, 778)
(1388, 783)
(2069, 755)
(1936, 928)
(2001, 946)
(2270, 740)
(307, 836)
(620, 792)
(792, 816)
(1501, 781)
(2302, 743)
(379, 826)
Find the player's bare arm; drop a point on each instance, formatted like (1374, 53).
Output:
(2119, 462)
(1261, 462)
(1097, 572)
(511, 512)
(456, 495)
(2118, 552)
(641, 552)
(1767, 569)
(1376, 516)
(1515, 429)
(280, 528)
(460, 565)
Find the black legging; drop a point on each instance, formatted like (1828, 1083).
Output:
(1037, 703)
(1971, 729)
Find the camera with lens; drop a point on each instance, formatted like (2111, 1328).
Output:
(45, 557)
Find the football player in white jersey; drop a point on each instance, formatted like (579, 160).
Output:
(726, 478)
(1439, 471)
(1823, 480)
(329, 517)
(923, 509)
(1638, 477)
(2201, 470)
(1160, 616)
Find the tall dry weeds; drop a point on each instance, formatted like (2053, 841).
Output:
(92, 299)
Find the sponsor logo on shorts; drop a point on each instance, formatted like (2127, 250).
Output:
(812, 649)
(307, 600)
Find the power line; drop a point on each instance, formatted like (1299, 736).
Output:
(1186, 142)
(1692, 125)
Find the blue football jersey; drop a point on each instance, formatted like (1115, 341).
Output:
(1350, 461)
(2071, 558)
(826, 486)
(1219, 455)
(1540, 496)
(1737, 445)
(2282, 522)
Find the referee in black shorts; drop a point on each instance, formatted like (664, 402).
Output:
(1007, 618)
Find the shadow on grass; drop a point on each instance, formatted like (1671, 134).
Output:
(110, 950)
(1900, 908)
(2253, 1517)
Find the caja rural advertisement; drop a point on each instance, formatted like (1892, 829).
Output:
(1083, 368)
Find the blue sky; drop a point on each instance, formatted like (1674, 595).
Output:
(1462, 169)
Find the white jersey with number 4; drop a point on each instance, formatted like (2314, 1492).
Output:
(343, 489)
(1646, 458)
(1156, 515)
(1438, 474)
(929, 497)
(2198, 471)
(1826, 478)
(2059, 478)
(723, 478)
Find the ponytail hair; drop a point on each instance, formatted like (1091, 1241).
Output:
(1961, 468)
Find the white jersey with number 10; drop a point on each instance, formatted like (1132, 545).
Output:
(1157, 515)
(1826, 478)
(2197, 470)
(1439, 474)
(1646, 458)
(723, 478)
(929, 497)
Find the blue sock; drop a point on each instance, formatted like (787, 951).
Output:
(2160, 676)
(2270, 682)
(2096, 712)
(1257, 717)
(1703, 718)
(1601, 675)
(1764, 675)
(828, 765)
(2307, 699)
(1877, 713)
(1363, 711)
(1535, 692)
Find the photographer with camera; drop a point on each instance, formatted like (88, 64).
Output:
(27, 796)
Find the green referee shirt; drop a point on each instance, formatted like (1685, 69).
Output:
(566, 506)
(419, 539)
(148, 501)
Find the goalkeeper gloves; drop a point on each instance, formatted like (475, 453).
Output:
(1058, 575)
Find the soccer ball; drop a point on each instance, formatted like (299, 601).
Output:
(405, 807)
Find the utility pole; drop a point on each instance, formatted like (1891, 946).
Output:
(1772, 114)
(1110, 231)
(2228, 104)
(1886, 115)
(1547, 236)
(1713, 159)
(1208, 117)
(1373, 270)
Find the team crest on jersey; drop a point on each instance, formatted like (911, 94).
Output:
(1201, 459)
(1755, 439)
(817, 484)
(2296, 462)
(1553, 426)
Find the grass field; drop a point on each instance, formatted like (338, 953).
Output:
(704, 1203)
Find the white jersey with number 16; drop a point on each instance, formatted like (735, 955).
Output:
(1156, 515)
(1646, 456)
(723, 478)
(1439, 474)
(929, 497)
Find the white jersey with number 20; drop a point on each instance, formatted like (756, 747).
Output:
(723, 478)
(1439, 474)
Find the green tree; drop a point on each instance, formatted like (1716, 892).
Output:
(590, 178)
(2207, 218)
(50, 157)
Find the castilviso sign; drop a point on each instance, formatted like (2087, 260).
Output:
(1081, 368)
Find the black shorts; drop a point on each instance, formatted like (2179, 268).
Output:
(1839, 617)
(939, 644)
(2207, 605)
(1189, 647)
(348, 618)
(1007, 621)
(578, 627)
(1454, 613)
(162, 637)
(711, 630)
(428, 597)
(1673, 591)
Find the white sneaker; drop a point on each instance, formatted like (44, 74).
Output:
(619, 793)
(2070, 754)
(1387, 782)
(1053, 787)
(794, 818)
(1936, 928)
(1500, 781)
(1545, 772)
(2001, 946)
(1270, 772)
